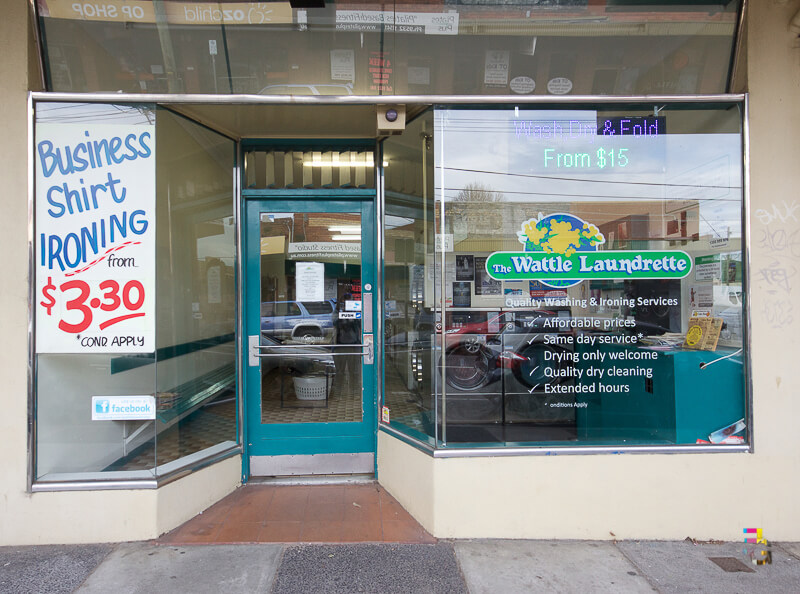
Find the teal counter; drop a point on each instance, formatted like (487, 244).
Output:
(678, 405)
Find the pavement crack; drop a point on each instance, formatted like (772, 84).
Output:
(639, 570)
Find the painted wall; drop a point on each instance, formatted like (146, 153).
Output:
(667, 496)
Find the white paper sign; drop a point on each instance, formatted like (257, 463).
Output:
(448, 242)
(95, 229)
(707, 268)
(419, 75)
(352, 305)
(343, 65)
(717, 243)
(214, 277)
(310, 281)
(496, 68)
(123, 408)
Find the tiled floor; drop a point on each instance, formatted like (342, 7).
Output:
(313, 514)
(279, 404)
(206, 427)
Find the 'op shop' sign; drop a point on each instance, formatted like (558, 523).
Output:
(95, 229)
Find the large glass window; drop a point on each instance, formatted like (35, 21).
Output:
(593, 280)
(490, 47)
(411, 308)
(135, 318)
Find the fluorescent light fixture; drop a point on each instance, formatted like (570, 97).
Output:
(335, 162)
(346, 229)
(339, 164)
(346, 238)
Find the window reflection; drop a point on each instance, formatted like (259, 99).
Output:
(644, 346)
(611, 354)
(480, 48)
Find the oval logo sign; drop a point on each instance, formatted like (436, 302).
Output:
(559, 86)
(522, 85)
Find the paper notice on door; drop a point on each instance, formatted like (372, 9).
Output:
(310, 281)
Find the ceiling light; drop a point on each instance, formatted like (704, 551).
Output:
(336, 163)
(346, 238)
(346, 229)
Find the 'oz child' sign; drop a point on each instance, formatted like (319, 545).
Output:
(95, 229)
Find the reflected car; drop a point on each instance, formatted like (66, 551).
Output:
(302, 321)
(301, 360)
(297, 89)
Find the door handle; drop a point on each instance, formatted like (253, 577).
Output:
(252, 350)
(254, 354)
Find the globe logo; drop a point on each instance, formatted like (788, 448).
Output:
(560, 233)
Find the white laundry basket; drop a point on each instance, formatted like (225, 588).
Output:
(311, 388)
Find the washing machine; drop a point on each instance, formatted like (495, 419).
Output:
(537, 359)
(473, 376)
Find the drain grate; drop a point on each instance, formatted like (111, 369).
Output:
(731, 564)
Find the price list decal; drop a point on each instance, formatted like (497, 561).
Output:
(95, 229)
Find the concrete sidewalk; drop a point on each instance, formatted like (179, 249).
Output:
(451, 567)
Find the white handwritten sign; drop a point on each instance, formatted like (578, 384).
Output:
(95, 229)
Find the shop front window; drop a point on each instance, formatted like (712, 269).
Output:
(134, 310)
(593, 286)
(490, 47)
(411, 307)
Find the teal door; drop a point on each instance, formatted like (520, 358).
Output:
(310, 397)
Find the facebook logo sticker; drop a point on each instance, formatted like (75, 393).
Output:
(121, 408)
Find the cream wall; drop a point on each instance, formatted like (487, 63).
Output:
(64, 517)
(666, 496)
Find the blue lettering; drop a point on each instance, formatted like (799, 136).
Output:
(58, 205)
(82, 164)
(132, 153)
(120, 226)
(54, 249)
(110, 184)
(98, 155)
(146, 153)
(77, 243)
(116, 143)
(138, 226)
(90, 236)
(72, 195)
(45, 149)
(95, 189)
